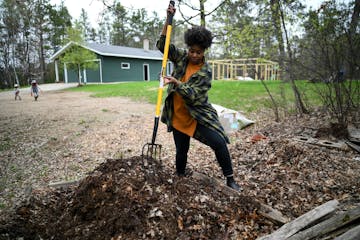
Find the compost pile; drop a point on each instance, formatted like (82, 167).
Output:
(127, 199)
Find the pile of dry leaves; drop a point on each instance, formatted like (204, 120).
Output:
(127, 199)
(97, 142)
(123, 199)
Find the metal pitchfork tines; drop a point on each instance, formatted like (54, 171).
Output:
(152, 149)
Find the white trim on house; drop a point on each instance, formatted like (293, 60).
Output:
(84, 73)
(56, 71)
(66, 73)
(125, 65)
(146, 67)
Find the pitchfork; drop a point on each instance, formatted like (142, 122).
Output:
(152, 149)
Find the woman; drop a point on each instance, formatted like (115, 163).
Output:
(187, 111)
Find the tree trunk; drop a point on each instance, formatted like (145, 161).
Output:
(275, 16)
(355, 17)
(274, 104)
(300, 106)
(42, 56)
(353, 52)
(202, 13)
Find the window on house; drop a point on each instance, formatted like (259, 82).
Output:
(125, 65)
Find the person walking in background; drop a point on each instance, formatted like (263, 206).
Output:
(187, 111)
(35, 89)
(17, 92)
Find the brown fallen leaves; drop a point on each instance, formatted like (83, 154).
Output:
(122, 199)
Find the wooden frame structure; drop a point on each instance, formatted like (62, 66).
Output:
(244, 69)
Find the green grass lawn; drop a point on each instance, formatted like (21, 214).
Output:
(246, 96)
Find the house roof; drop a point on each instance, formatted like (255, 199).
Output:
(114, 51)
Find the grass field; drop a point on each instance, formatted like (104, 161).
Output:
(246, 96)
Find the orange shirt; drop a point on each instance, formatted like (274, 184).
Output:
(182, 120)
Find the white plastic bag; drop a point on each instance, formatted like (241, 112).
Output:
(231, 119)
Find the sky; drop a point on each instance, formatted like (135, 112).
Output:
(94, 7)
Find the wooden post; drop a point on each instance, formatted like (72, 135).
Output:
(223, 71)
(245, 71)
(266, 72)
(219, 71)
(230, 69)
(256, 71)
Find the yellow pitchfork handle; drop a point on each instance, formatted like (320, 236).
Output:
(163, 70)
(163, 73)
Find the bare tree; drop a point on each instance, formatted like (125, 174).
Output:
(200, 11)
(300, 106)
(330, 56)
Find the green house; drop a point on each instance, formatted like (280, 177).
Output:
(116, 64)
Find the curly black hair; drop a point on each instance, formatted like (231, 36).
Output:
(198, 35)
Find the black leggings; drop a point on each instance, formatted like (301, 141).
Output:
(210, 138)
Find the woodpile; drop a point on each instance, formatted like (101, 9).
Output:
(322, 222)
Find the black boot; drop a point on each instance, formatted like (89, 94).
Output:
(180, 174)
(230, 182)
(185, 173)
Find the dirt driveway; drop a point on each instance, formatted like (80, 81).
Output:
(64, 135)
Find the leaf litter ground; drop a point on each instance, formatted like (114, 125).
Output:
(98, 140)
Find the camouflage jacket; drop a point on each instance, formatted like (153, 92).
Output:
(194, 92)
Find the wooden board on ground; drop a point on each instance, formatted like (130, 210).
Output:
(63, 184)
(352, 234)
(321, 142)
(301, 222)
(329, 225)
(353, 146)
